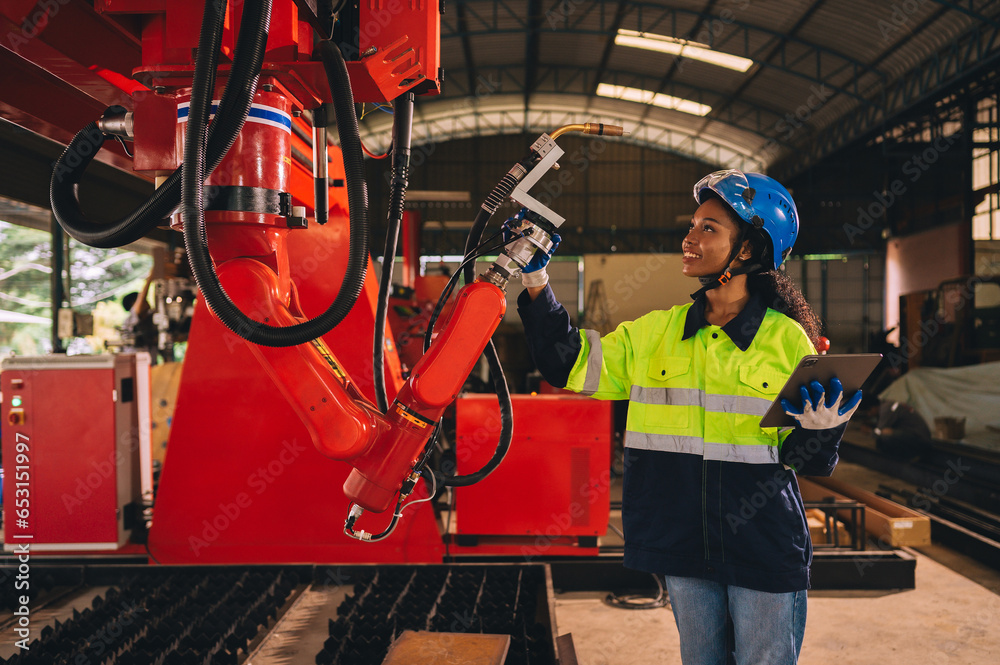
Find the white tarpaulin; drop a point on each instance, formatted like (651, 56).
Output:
(972, 392)
(17, 317)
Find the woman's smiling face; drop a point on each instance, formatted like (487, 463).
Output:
(709, 240)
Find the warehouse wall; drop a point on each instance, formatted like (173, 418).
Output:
(920, 262)
(847, 294)
(632, 285)
(615, 197)
(845, 291)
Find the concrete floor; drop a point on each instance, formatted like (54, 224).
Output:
(947, 618)
(951, 617)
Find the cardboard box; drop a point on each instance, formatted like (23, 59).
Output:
(888, 522)
(949, 428)
(817, 525)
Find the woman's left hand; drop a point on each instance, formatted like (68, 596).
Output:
(818, 412)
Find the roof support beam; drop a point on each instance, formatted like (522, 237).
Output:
(651, 17)
(531, 50)
(463, 28)
(968, 11)
(975, 53)
(451, 119)
(777, 47)
(674, 63)
(610, 43)
(568, 80)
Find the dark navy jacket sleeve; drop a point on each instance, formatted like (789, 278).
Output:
(812, 452)
(552, 339)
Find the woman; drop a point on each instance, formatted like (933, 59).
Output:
(710, 499)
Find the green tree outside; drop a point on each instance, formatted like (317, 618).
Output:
(94, 282)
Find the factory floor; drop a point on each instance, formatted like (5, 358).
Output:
(947, 618)
(952, 616)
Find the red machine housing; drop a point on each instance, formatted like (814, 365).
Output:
(71, 451)
(240, 481)
(267, 274)
(551, 496)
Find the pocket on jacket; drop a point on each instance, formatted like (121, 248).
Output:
(758, 387)
(665, 402)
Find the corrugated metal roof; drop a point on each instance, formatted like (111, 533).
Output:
(819, 66)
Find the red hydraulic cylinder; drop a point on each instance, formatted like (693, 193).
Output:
(435, 382)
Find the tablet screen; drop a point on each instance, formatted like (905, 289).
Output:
(853, 369)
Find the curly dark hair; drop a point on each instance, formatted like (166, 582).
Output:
(779, 293)
(776, 289)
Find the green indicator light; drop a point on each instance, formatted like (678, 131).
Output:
(15, 401)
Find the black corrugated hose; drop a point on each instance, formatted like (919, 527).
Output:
(201, 261)
(402, 126)
(222, 133)
(193, 175)
(496, 197)
(506, 425)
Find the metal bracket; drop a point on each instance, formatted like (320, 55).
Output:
(520, 193)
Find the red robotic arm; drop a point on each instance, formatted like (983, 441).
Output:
(343, 424)
(250, 214)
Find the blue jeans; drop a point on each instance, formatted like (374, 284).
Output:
(767, 627)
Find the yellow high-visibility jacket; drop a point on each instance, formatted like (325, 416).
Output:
(707, 492)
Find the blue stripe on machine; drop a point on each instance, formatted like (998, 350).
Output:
(271, 114)
(266, 115)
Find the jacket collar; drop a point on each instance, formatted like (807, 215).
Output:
(741, 329)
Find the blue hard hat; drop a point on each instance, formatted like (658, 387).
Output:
(759, 201)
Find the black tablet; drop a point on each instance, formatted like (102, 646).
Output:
(853, 369)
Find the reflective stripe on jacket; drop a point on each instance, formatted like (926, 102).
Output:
(705, 492)
(701, 395)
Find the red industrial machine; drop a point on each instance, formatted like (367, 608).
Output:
(277, 380)
(550, 496)
(87, 497)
